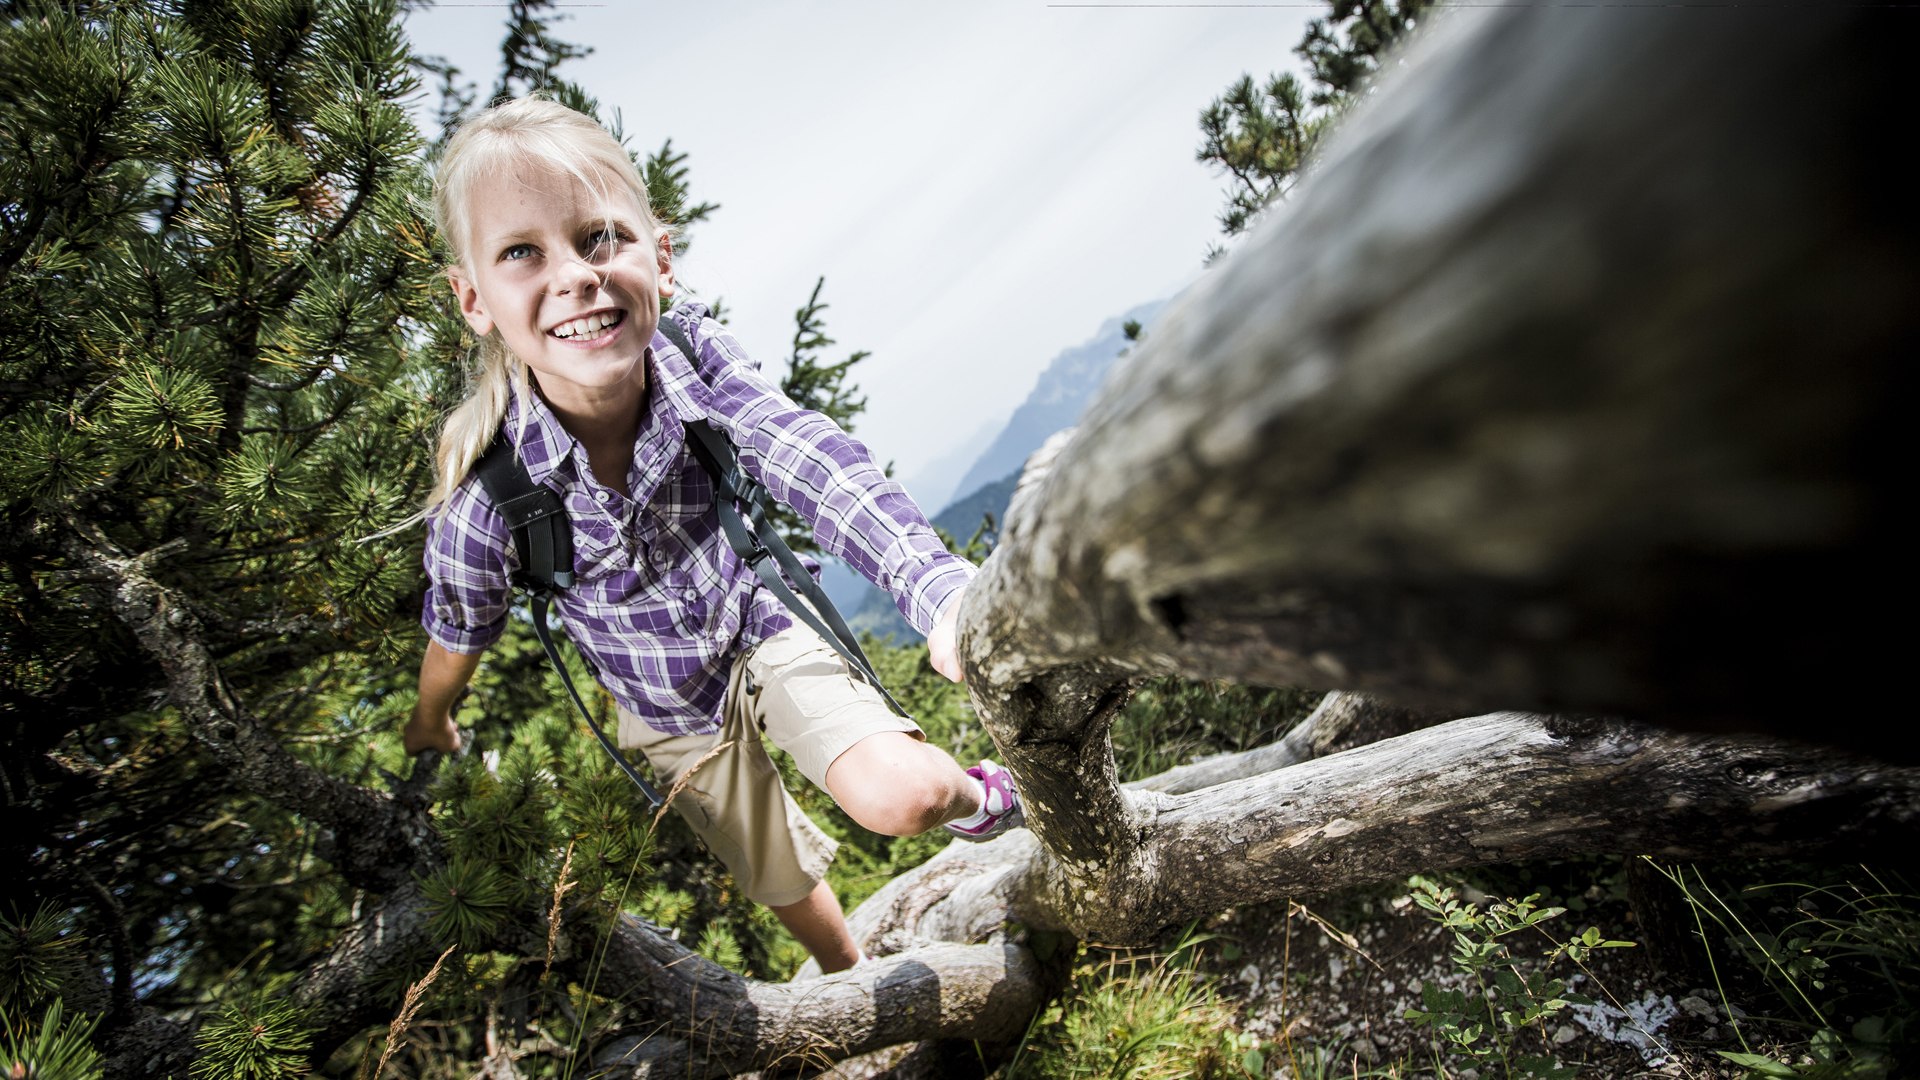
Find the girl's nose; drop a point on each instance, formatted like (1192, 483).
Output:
(574, 274)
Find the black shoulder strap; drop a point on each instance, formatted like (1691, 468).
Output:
(544, 539)
(541, 532)
(753, 537)
(679, 339)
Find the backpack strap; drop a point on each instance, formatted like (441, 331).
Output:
(753, 538)
(543, 537)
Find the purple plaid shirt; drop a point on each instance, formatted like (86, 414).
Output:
(660, 603)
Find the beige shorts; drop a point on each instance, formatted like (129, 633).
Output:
(797, 691)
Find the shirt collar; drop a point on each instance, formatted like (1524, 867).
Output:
(677, 376)
(544, 443)
(536, 432)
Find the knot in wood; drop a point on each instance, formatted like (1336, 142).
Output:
(138, 599)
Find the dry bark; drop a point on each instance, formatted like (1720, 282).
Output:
(711, 1022)
(1505, 787)
(1341, 721)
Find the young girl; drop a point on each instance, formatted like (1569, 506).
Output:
(561, 268)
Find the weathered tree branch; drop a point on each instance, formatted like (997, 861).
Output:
(339, 994)
(1509, 788)
(1490, 789)
(1341, 721)
(712, 1022)
(1510, 408)
(377, 842)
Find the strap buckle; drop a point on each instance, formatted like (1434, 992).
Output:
(743, 488)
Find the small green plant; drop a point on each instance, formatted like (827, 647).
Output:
(466, 900)
(718, 944)
(1505, 997)
(1841, 957)
(1140, 1017)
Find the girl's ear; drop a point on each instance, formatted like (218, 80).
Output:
(665, 254)
(469, 297)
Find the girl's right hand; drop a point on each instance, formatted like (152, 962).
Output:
(443, 684)
(422, 733)
(943, 645)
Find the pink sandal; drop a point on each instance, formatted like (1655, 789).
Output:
(1001, 810)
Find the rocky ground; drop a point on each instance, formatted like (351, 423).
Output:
(1328, 993)
(1327, 986)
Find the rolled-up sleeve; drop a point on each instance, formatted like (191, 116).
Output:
(829, 478)
(468, 574)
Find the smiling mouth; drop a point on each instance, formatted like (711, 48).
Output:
(589, 327)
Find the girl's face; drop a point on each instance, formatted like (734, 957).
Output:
(573, 283)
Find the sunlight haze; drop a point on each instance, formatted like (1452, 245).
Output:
(982, 184)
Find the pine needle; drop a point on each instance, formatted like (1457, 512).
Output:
(561, 887)
(681, 784)
(408, 1006)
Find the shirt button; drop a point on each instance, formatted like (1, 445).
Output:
(690, 595)
(603, 496)
(660, 557)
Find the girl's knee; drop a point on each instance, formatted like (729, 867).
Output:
(896, 785)
(906, 811)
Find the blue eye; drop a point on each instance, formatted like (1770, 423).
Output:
(516, 253)
(601, 243)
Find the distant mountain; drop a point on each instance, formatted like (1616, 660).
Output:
(1059, 396)
(965, 516)
(935, 484)
(1057, 400)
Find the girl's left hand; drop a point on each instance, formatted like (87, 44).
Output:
(943, 645)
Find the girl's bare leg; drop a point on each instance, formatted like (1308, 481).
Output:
(818, 923)
(897, 785)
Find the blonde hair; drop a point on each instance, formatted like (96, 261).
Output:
(526, 132)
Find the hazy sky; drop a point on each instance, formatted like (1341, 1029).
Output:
(982, 182)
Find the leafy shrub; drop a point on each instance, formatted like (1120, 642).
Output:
(1506, 997)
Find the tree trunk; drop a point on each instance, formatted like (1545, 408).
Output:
(1556, 387)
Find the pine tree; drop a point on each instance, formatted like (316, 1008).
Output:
(665, 172)
(1260, 137)
(1345, 48)
(224, 350)
(530, 52)
(815, 383)
(220, 373)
